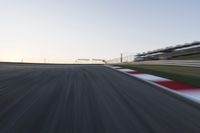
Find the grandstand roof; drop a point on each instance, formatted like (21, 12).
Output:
(170, 49)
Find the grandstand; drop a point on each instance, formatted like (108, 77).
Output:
(180, 52)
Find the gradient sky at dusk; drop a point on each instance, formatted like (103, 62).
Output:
(64, 30)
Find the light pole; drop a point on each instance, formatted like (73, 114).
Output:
(121, 58)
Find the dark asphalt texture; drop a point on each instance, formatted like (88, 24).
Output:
(87, 99)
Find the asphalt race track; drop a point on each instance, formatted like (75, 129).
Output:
(88, 99)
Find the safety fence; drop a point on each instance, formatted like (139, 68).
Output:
(124, 59)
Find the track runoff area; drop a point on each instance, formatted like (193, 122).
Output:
(185, 90)
(89, 99)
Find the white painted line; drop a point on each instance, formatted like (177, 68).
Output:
(125, 70)
(149, 77)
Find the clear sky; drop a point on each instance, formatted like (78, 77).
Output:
(63, 30)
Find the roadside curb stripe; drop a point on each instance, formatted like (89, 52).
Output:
(125, 70)
(150, 77)
(134, 72)
(175, 85)
(192, 94)
(116, 67)
(183, 89)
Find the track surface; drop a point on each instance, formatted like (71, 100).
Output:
(87, 99)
